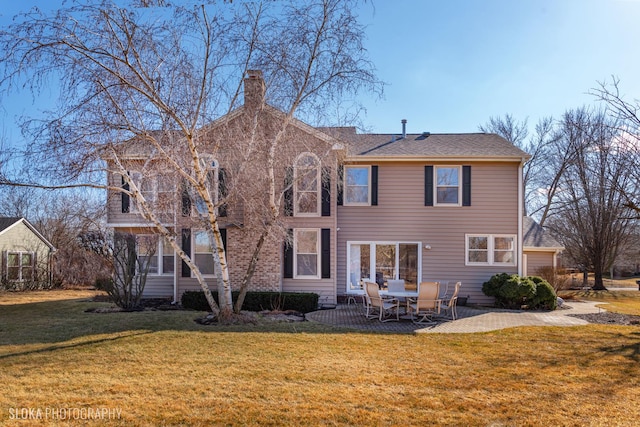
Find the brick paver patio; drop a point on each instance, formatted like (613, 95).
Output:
(470, 319)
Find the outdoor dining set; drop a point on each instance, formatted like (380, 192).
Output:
(427, 304)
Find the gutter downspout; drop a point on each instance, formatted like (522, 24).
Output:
(175, 262)
(520, 215)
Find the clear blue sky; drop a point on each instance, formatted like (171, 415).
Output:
(450, 65)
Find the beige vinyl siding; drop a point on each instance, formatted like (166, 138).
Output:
(158, 286)
(402, 217)
(19, 237)
(536, 260)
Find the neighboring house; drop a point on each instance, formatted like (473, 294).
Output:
(417, 207)
(26, 255)
(540, 248)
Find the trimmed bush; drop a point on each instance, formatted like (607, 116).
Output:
(513, 291)
(545, 297)
(517, 291)
(492, 287)
(257, 301)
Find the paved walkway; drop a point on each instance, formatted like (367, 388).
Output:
(470, 319)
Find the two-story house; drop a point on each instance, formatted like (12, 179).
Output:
(417, 207)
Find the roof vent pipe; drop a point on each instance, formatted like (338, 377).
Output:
(404, 128)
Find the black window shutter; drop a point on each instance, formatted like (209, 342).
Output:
(325, 252)
(340, 185)
(223, 234)
(125, 197)
(326, 191)
(222, 191)
(186, 201)
(288, 256)
(374, 185)
(186, 247)
(288, 191)
(466, 185)
(428, 185)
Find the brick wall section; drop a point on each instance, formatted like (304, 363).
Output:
(240, 249)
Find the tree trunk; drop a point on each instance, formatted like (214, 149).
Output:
(598, 284)
(246, 280)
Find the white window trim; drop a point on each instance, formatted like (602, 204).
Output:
(32, 266)
(193, 253)
(435, 185)
(372, 259)
(318, 190)
(491, 250)
(138, 178)
(295, 254)
(214, 167)
(160, 256)
(346, 202)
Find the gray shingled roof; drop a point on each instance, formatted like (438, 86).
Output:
(445, 145)
(8, 221)
(534, 236)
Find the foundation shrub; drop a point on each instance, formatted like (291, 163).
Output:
(257, 301)
(513, 291)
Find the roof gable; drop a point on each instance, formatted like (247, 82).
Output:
(9, 222)
(535, 236)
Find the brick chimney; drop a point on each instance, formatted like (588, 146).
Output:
(254, 90)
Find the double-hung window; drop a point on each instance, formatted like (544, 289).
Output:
(448, 188)
(307, 183)
(203, 253)
(20, 266)
(306, 247)
(211, 166)
(357, 188)
(157, 254)
(490, 249)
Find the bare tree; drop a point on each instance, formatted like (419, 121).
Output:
(591, 216)
(627, 114)
(61, 217)
(159, 85)
(542, 171)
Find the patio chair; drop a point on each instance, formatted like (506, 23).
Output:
(385, 307)
(445, 290)
(449, 304)
(395, 285)
(427, 305)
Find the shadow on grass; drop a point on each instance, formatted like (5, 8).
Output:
(89, 342)
(630, 351)
(64, 320)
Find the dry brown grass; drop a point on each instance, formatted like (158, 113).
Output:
(626, 301)
(160, 368)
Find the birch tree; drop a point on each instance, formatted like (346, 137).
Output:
(152, 80)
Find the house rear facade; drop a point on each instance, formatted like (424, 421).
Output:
(412, 206)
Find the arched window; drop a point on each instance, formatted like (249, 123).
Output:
(211, 166)
(307, 185)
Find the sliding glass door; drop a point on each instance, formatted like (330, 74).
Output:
(382, 261)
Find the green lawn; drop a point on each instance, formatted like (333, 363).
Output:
(161, 368)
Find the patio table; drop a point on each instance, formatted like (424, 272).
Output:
(400, 294)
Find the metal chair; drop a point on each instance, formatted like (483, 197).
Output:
(449, 305)
(427, 305)
(384, 306)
